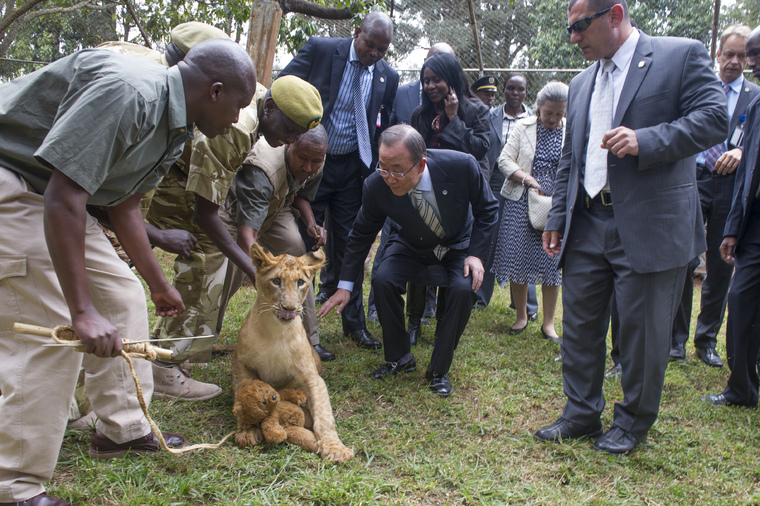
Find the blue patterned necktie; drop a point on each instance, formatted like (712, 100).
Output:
(595, 177)
(360, 113)
(431, 220)
(712, 154)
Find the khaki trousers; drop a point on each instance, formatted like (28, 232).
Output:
(37, 383)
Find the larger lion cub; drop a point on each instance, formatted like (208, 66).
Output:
(273, 347)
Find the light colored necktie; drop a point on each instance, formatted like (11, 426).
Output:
(712, 154)
(360, 113)
(601, 121)
(431, 220)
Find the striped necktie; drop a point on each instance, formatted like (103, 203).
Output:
(360, 113)
(431, 220)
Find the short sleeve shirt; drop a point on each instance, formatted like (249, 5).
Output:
(214, 162)
(112, 123)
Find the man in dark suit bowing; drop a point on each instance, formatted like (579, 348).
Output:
(625, 217)
(357, 89)
(715, 178)
(741, 248)
(442, 216)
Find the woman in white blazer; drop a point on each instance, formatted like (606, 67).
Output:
(529, 161)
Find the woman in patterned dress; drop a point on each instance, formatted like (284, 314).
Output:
(529, 162)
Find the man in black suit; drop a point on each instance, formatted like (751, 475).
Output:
(625, 218)
(741, 248)
(449, 189)
(351, 76)
(715, 178)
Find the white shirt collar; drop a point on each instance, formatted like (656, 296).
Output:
(426, 183)
(624, 54)
(736, 84)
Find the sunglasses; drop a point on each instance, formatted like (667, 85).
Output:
(582, 24)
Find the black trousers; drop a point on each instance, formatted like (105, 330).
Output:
(336, 205)
(743, 332)
(398, 266)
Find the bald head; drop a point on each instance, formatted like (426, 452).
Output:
(372, 38)
(440, 47)
(219, 79)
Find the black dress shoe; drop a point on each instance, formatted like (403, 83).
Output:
(513, 331)
(565, 429)
(321, 298)
(324, 354)
(407, 363)
(414, 329)
(364, 339)
(709, 357)
(677, 353)
(618, 441)
(372, 316)
(439, 385)
(39, 500)
(614, 371)
(721, 400)
(532, 316)
(547, 336)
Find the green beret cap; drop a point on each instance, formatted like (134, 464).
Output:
(186, 35)
(489, 83)
(298, 100)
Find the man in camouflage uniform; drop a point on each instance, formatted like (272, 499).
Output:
(274, 187)
(189, 198)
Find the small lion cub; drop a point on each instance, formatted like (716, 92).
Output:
(273, 347)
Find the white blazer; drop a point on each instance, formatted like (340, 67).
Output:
(518, 154)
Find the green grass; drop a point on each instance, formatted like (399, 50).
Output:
(415, 448)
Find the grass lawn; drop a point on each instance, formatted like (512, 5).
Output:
(415, 448)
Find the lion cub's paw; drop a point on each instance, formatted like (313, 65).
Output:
(336, 452)
(248, 438)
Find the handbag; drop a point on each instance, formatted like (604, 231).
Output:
(538, 209)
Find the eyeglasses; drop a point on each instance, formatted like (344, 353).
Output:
(582, 24)
(394, 175)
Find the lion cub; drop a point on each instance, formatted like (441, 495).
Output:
(273, 347)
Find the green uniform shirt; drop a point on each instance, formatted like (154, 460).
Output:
(257, 201)
(111, 123)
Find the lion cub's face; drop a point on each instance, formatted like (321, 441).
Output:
(282, 281)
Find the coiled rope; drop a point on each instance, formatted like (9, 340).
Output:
(64, 334)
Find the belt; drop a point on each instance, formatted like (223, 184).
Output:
(603, 198)
(342, 157)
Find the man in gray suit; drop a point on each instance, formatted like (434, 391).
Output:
(625, 218)
(716, 172)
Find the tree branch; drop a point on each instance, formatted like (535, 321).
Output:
(85, 4)
(9, 18)
(137, 22)
(318, 11)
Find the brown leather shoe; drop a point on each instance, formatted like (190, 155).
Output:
(39, 500)
(103, 448)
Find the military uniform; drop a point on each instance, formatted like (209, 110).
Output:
(262, 199)
(206, 169)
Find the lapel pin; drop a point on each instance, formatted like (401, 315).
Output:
(746, 90)
(382, 79)
(445, 192)
(641, 64)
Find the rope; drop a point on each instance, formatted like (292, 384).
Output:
(63, 334)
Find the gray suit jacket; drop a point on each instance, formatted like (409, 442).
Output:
(747, 175)
(673, 101)
(747, 95)
(407, 100)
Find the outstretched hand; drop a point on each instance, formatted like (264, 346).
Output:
(337, 301)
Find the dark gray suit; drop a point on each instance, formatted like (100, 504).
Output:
(638, 247)
(468, 216)
(407, 100)
(742, 336)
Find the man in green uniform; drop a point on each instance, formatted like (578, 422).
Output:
(57, 265)
(274, 187)
(189, 198)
